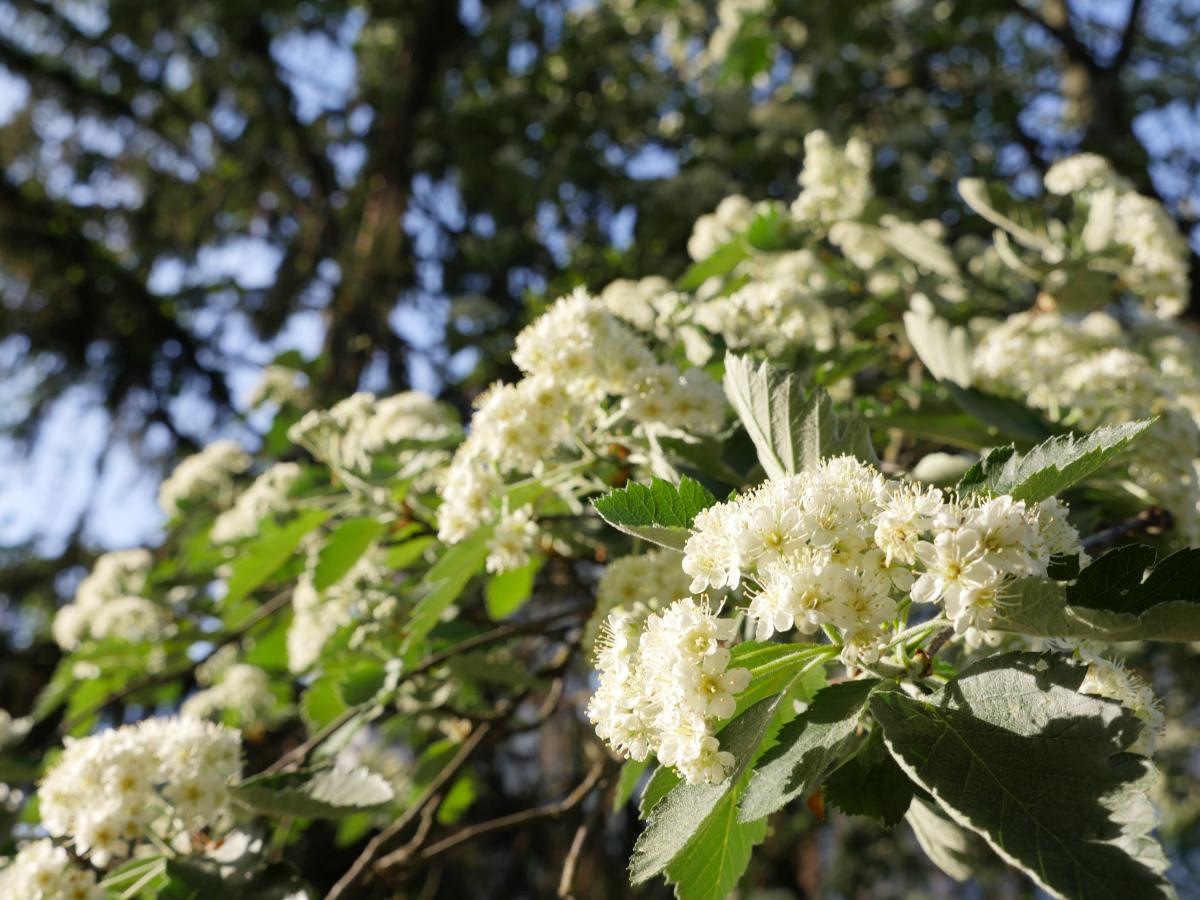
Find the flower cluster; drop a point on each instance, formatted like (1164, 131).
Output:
(514, 536)
(205, 476)
(239, 689)
(1091, 371)
(575, 357)
(361, 595)
(664, 685)
(162, 777)
(636, 586)
(278, 384)
(43, 871)
(779, 308)
(409, 428)
(1117, 218)
(108, 603)
(267, 495)
(836, 181)
(839, 545)
(710, 232)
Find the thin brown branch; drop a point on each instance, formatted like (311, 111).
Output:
(375, 845)
(1152, 521)
(547, 811)
(300, 752)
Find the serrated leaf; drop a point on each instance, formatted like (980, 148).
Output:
(870, 784)
(709, 867)
(993, 201)
(660, 513)
(315, 794)
(805, 747)
(1122, 596)
(945, 349)
(1012, 751)
(346, 545)
(791, 431)
(1052, 466)
(442, 585)
(689, 810)
(260, 559)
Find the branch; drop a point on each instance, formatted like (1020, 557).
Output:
(1152, 521)
(547, 811)
(1074, 47)
(299, 753)
(1128, 36)
(376, 843)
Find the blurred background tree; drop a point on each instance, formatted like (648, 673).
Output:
(191, 189)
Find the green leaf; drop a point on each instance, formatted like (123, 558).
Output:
(442, 585)
(916, 244)
(870, 784)
(632, 771)
(722, 261)
(458, 799)
(773, 666)
(993, 201)
(1122, 596)
(345, 546)
(1012, 751)
(260, 559)
(1001, 415)
(509, 591)
(314, 794)
(709, 867)
(791, 432)
(945, 349)
(947, 845)
(693, 833)
(321, 703)
(1052, 466)
(660, 513)
(806, 747)
(401, 556)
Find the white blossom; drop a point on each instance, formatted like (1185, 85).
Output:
(43, 871)
(205, 476)
(107, 793)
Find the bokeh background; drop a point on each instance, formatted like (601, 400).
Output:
(383, 192)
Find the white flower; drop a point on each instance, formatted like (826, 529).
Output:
(836, 181)
(954, 565)
(663, 686)
(1082, 173)
(514, 536)
(636, 585)
(107, 603)
(42, 871)
(267, 495)
(205, 476)
(107, 792)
